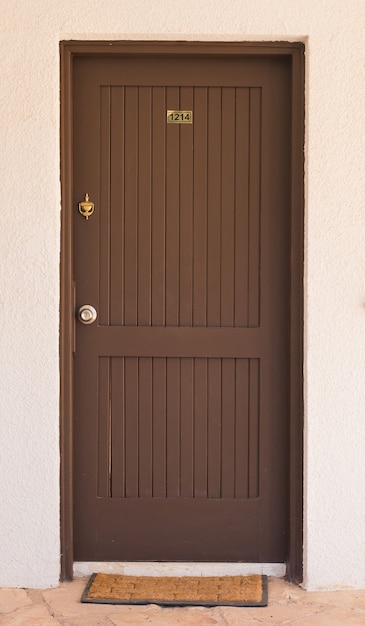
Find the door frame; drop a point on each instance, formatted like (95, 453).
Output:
(293, 51)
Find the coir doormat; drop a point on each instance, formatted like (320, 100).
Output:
(177, 591)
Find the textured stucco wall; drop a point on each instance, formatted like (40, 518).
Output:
(335, 260)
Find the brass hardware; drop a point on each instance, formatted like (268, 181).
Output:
(179, 117)
(86, 208)
(87, 314)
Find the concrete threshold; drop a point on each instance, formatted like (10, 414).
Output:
(86, 568)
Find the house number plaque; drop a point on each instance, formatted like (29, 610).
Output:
(179, 117)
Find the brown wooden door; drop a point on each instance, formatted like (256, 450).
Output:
(181, 385)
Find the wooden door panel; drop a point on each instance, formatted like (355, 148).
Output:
(181, 386)
(186, 198)
(208, 446)
(182, 520)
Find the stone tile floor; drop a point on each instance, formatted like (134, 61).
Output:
(288, 605)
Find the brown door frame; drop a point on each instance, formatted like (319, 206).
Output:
(294, 52)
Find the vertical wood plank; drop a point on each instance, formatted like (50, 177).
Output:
(145, 427)
(117, 234)
(105, 202)
(200, 428)
(104, 427)
(172, 211)
(158, 206)
(200, 204)
(214, 204)
(186, 213)
(242, 207)
(254, 428)
(187, 427)
(241, 435)
(144, 207)
(131, 427)
(228, 207)
(173, 427)
(118, 427)
(131, 205)
(255, 207)
(159, 426)
(214, 427)
(228, 427)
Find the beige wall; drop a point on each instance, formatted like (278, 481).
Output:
(334, 272)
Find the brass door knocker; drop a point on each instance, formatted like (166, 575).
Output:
(86, 208)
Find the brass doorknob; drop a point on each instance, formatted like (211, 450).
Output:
(87, 314)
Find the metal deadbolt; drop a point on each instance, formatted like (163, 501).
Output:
(87, 314)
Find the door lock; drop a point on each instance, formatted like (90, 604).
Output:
(87, 314)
